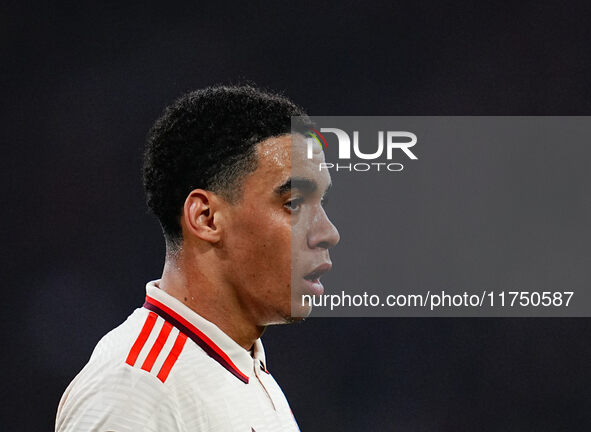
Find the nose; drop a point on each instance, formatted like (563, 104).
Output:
(322, 234)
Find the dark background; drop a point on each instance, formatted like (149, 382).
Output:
(83, 82)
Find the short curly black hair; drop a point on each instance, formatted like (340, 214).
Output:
(206, 139)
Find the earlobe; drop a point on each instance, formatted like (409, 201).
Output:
(199, 215)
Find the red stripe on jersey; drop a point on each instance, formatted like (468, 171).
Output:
(171, 359)
(141, 339)
(155, 351)
(196, 335)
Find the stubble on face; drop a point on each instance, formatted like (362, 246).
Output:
(258, 237)
(266, 240)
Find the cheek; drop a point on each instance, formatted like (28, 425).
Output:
(262, 245)
(299, 240)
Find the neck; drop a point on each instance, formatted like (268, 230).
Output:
(206, 294)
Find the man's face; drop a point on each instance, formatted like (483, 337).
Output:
(278, 235)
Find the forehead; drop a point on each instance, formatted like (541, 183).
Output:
(284, 157)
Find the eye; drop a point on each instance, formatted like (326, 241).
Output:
(324, 201)
(294, 204)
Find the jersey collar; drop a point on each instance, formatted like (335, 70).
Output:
(218, 345)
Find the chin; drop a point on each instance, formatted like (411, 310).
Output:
(298, 311)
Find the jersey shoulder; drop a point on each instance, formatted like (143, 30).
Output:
(125, 385)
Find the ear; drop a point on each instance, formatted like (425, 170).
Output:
(201, 215)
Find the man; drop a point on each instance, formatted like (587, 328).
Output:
(241, 208)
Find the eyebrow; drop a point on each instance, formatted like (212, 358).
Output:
(301, 183)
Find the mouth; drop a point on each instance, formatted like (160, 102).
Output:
(313, 278)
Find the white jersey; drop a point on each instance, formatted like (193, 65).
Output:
(168, 369)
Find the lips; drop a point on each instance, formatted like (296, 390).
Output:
(313, 278)
(315, 274)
